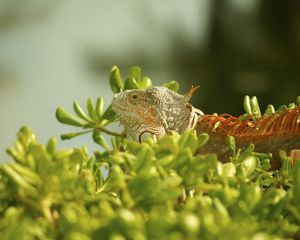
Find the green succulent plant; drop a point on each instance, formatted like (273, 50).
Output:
(150, 190)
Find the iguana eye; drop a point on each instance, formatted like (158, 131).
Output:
(134, 96)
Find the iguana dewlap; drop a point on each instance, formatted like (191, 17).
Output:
(157, 110)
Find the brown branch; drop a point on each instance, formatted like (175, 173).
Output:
(116, 134)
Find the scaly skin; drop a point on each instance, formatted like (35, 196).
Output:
(157, 110)
(154, 111)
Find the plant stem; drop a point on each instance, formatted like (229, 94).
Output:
(116, 134)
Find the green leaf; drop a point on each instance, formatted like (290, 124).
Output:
(131, 83)
(231, 144)
(99, 108)
(90, 164)
(61, 154)
(247, 152)
(244, 116)
(65, 117)
(116, 178)
(15, 155)
(188, 140)
(262, 156)
(285, 162)
(296, 187)
(26, 137)
(18, 179)
(109, 114)
(99, 178)
(202, 139)
(30, 176)
(255, 107)
(91, 109)
(173, 85)
(99, 139)
(80, 113)
(145, 83)
(67, 136)
(51, 145)
(115, 80)
(164, 161)
(248, 165)
(144, 159)
(270, 110)
(229, 169)
(189, 223)
(247, 105)
(298, 100)
(135, 73)
(282, 108)
(291, 105)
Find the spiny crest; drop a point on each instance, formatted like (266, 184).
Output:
(277, 124)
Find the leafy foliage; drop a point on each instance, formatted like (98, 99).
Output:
(153, 190)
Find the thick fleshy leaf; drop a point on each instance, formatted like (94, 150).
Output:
(115, 80)
(247, 105)
(145, 83)
(80, 113)
(91, 109)
(65, 117)
(99, 108)
(255, 107)
(131, 83)
(99, 139)
(173, 85)
(135, 73)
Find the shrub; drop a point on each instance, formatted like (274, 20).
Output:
(152, 190)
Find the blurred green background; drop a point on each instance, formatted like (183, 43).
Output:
(55, 51)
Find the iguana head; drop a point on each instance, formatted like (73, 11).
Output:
(154, 111)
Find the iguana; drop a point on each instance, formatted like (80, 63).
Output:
(158, 110)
